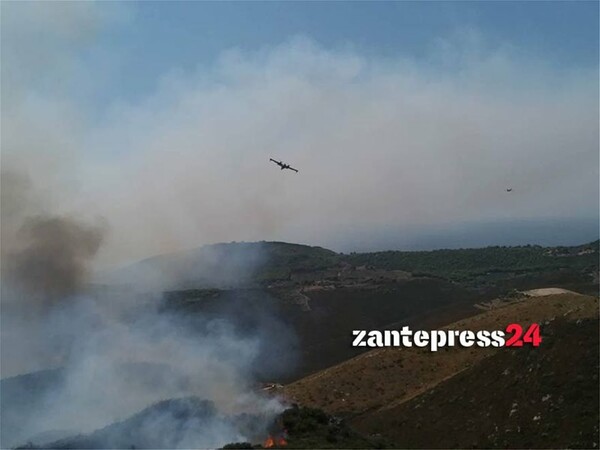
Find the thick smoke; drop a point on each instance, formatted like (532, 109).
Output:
(398, 143)
(377, 143)
(117, 351)
(117, 364)
(45, 263)
(114, 351)
(117, 367)
(54, 261)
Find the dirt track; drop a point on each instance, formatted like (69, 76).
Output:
(547, 291)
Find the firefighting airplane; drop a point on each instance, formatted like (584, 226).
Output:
(283, 165)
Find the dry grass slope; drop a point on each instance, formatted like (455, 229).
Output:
(385, 378)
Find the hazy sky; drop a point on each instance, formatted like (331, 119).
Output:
(155, 38)
(159, 118)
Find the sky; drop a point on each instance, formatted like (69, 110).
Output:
(184, 35)
(157, 119)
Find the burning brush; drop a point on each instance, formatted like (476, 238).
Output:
(278, 435)
(275, 441)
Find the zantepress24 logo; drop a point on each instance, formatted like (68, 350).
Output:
(513, 335)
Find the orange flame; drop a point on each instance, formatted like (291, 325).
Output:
(270, 442)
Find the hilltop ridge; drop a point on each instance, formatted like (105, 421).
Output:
(260, 263)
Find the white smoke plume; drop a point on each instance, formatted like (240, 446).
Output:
(378, 142)
(115, 361)
(113, 352)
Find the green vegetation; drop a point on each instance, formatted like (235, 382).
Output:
(266, 262)
(495, 270)
(238, 445)
(298, 257)
(457, 265)
(282, 259)
(467, 264)
(313, 428)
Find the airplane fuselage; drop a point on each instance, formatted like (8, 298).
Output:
(283, 165)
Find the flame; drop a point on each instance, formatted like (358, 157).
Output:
(270, 442)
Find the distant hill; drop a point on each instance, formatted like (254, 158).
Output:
(24, 395)
(193, 423)
(20, 396)
(241, 264)
(490, 266)
(219, 265)
(175, 423)
(319, 296)
(463, 263)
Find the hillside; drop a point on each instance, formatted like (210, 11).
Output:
(175, 423)
(509, 267)
(370, 387)
(529, 398)
(301, 304)
(258, 263)
(23, 395)
(321, 317)
(321, 296)
(515, 398)
(193, 423)
(222, 265)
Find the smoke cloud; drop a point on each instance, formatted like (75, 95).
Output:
(112, 352)
(54, 261)
(377, 142)
(393, 143)
(114, 360)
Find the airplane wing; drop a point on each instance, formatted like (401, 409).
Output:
(282, 165)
